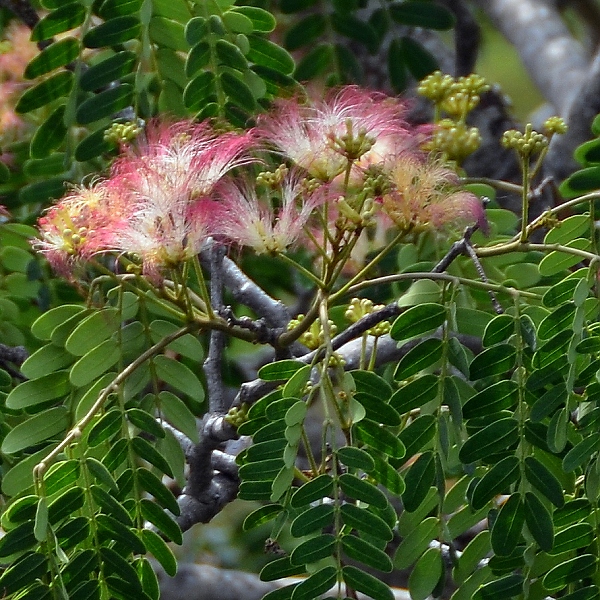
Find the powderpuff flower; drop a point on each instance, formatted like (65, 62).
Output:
(72, 230)
(349, 125)
(165, 182)
(181, 155)
(246, 219)
(424, 194)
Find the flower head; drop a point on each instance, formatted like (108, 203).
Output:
(424, 194)
(349, 125)
(73, 229)
(154, 206)
(248, 220)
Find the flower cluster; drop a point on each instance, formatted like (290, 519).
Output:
(170, 189)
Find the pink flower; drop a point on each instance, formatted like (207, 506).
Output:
(246, 219)
(154, 206)
(424, 194)
(72, 230)
(349, 125)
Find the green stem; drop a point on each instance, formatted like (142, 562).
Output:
(442, 277)
(525, 200)
(310, 276)
(349, 285)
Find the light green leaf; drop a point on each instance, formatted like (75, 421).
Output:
(36, 429)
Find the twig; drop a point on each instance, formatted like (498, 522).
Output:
(480, 271)
(212, 364)
(458, 248)
(247, 292)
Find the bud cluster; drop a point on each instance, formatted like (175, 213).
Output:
(361, 307)
(525, 143)
(122, 133)
(237, 415)
(314, 336)
(352, 144)
(455, 139)
(272, 179)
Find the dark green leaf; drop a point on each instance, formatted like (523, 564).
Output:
(316, 489)
(315, 62)
(380, 438)
(268, 54)
(109, 9)
(101, 473)
(54, 56)
(362, 490)
(422, 356)
(313, 549)
(358, 549)
(570, 571)
(261, 515)
(280, 370)
(494, 438)
(113, 32)
(544, 481)
(58, 21)
(110, 506)
(106, 103)
(354, 28)
(581, 453)
(61, 476)
(158, 517)
(539, 522)
(318, 583)
(396, 66)
(418, 320)
(18, 540)
(508, 526)
(93, 145)
(418, 480)
(313, 519)
(493, 399)
(418, 434)
(305, 32)
(108, 425)
(365, 583)
(162, 494)
(230, 55)
(160, 551)
(414, 394)
(554, 398)
(355, 458)
(237, 91)
(66, 504)
(112, 529)
(282, 567)
(22, 573)
(499, 329)
(110, 69)
(419, 61)
(377, 410)
(580, 535)
(148, 452)
(493, 361)
(505, 587)
(496, 481)
(179, 376)
(560, 293)
(365, 521)
(46, 91)
(422, 14)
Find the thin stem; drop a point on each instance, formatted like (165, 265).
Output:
(310, 276)
(442, 277)
(349, 285)
(75, 432)
(500, 185)
(525, 200)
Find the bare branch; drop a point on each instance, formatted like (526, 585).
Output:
(555, 60)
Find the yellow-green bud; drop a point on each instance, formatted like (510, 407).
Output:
(555, 125)
(436, 86)
(527, 143)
